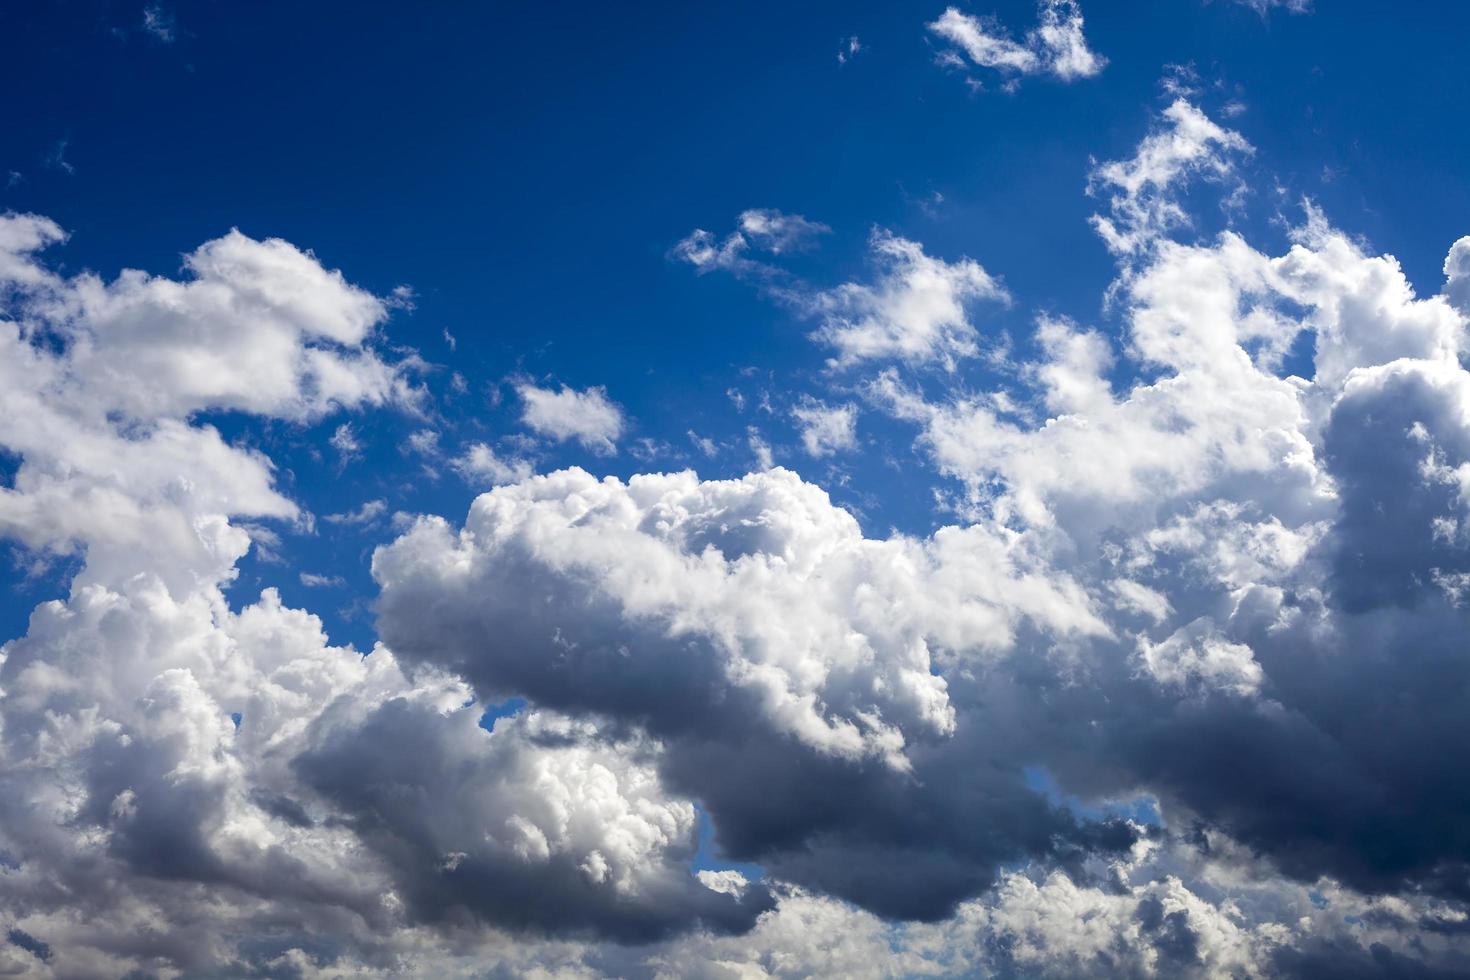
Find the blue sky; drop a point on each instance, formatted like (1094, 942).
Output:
(1082, 559)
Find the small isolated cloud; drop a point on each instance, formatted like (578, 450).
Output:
(915, 310)
(403, 297)
(1056, 46)
(56, 158)
(345, 441)
(764, 229)
(425, 442)
(826, 429)
(159, 23)
(1264, 7)
(704, 444)
(480, 464)
(588, 416)
(313, 581)
(850, 49)
(366, 514)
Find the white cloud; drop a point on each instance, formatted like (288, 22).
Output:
(1073, 373)
(703, 251)
(479, 463)
(1196, 654)
(1058, 36)
(259, 327)
(313, 580)
(587, 416)
(777, 232)
(916, 311)
(344, 440)
(1264, 7)
(1186, 144)
(22, 235)
(704, 444)
(425, 442)
(826, 429)
(984, 48)
(369, 512)
(763, 229)
(111, 466)
(762, 449)
(1056, 46)
(162, 743)
(1457, 276)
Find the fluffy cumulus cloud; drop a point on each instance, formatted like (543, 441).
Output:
(1056, 46)
(1171, 697)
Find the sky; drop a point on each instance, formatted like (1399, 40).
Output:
(734, 491)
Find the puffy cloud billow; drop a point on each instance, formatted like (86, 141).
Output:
(1176, 694)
